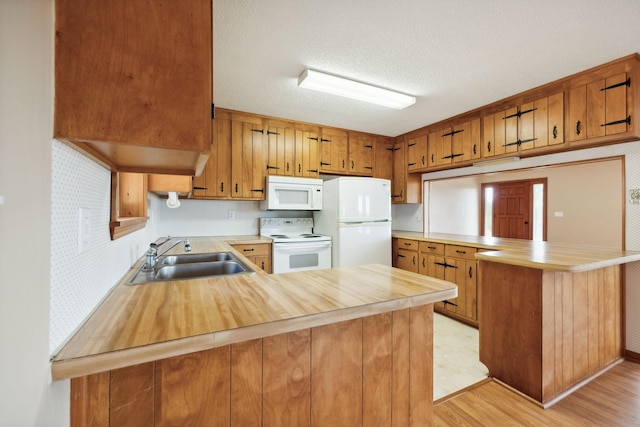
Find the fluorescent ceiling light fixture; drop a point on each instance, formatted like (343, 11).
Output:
(311, 79)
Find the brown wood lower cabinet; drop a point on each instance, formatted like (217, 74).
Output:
(542, 332)
(376, 370)
(257, 253)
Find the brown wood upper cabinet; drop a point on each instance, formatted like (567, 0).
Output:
(248, 157)
(406, 187)
(137, 74)
(307, 139)
(454, 144)
(360, 154)
(600, 105)
(215, 180)
(417, 152)
(281, 148)
(535, 124)
(334, 150)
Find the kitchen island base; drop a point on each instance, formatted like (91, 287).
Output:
(373, 370)
(544, 332)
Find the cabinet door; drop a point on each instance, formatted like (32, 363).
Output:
(214, 182)
(599, 108)
(280, 152)
(360, 155)
(469, 141)
(454, 272)
(444, 154)
(383, 154)
(439, 147)
(494, 135)
(248, 166)
(435, 268)
(417, 153)
(544, 126)
(398, 195)
(306, 154)
(334, 151)
(407, 260)
(510, 120)
(433, 140)
(137, 74)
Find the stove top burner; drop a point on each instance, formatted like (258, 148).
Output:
(290, 230)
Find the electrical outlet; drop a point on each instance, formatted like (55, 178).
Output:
(232, 214)
(558, 214)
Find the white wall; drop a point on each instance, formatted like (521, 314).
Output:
(79, 281)
(586, 193)
(211, 217)
(631, 226)
(27, 397)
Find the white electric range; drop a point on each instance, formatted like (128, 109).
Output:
(295, 246)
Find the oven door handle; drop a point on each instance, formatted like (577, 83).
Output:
(300, 247)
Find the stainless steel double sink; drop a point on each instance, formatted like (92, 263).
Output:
(190, 266)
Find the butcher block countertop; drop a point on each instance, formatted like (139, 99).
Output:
(142, 323)
(562, 257)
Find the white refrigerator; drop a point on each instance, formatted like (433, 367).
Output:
(356, 213)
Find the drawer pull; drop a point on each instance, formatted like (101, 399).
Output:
(423, 263)
(248, 250)
(461, 252)
(433, 248)
(450, 303)
(470, 272)
(407, 244)
(401, 256)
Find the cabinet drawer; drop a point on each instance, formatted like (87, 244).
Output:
(253, 250)
(432, 248)
(411, 245)
(464, 252)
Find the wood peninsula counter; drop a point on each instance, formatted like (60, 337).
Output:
(550, 315)
(342, 346)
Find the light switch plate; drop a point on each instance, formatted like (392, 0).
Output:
(84, 230)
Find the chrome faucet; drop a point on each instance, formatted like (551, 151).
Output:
(153, 255)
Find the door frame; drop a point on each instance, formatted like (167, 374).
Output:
(531, 183)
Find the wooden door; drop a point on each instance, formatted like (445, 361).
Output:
(360, 155)
(136, 73)
(599, 108)
(511, 210)
(248, 164)
(334, 151)
(443, 149)
(417, 153)
(214, 182)
(280, 151)
(306, 153)
(433, 141)
(383, 155)
(398, 195)
(468, 141)
(407, 260)
(494, 134)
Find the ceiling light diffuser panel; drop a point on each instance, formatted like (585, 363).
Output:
(335, 85)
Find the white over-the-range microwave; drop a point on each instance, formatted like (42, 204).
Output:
(292, 194)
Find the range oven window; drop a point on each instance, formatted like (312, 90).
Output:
(303, 261)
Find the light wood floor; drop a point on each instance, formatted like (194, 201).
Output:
(611, 400)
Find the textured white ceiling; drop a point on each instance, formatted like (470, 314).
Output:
(454, 55)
